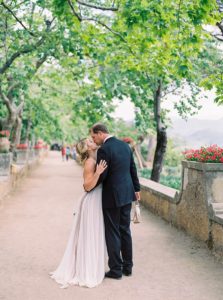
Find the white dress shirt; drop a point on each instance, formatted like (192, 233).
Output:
(108, 137)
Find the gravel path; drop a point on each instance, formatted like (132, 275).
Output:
(34, 226)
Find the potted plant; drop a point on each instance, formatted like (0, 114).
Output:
(21, 153)
(211, 154)
(38, 147)
(22, 146)
(5, 156)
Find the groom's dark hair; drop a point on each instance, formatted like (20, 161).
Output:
(99, 127)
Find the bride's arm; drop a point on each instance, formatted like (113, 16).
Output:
(91, 175)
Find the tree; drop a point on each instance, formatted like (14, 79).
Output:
(20, 36)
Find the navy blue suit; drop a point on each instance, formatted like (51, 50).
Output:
(120, 182)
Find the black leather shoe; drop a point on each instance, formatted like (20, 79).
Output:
(110, 275)
(127, 272)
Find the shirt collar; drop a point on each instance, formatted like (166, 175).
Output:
(108, 137)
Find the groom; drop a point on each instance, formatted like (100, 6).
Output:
(120, 188)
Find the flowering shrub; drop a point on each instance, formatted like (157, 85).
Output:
(4, 133)
(38, 146)
(211, 154)
(128, 140)
(22, 146)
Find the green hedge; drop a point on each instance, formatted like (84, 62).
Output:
(169, 180)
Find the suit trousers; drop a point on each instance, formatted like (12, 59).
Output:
(118, 238)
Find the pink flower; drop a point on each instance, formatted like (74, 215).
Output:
(4, 133)
(22, 146)
(128, 140)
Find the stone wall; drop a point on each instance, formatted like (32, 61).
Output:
(197, 208)
(17, 172)
(5, 162)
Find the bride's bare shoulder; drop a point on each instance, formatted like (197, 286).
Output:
(89, 164)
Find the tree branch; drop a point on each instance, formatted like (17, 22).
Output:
(220, 26)
(109, 29)
(81, 19)
(6, 101)
(25, 49)
(74, 11)
(104, 25)
(20, 108)
(170, 91)
(17, 19)
(41, 61)
(97, 6)
(218, 37)
(11, 88)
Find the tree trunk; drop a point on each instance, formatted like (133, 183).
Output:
(13, 111)
(161, 136)
(143, 162)
(151, 146)
(28, 131)
(159, 154)
(138, 157)
(18, 131)
(16, 137)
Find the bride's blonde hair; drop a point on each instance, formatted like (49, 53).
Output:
(82, 149)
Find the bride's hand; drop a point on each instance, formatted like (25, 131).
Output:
(101, 167)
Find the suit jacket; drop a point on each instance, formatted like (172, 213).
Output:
(120, 180)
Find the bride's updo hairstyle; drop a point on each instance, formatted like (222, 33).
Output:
(82, 150)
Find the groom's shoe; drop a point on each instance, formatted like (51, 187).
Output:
(127, 272)
(111, 275)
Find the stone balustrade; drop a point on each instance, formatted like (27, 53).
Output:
(5, 162)
(21, 157)
(12, 172)
(197, 208)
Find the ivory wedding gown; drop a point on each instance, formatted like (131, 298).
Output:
(83, 262)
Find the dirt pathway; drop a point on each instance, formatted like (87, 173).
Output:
(35, 223)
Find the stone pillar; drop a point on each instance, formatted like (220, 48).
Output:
(37, 152)
(5, 163)
(31, 155)
(21, 156)
(202, 184)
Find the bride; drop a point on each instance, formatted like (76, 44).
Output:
(83, 262)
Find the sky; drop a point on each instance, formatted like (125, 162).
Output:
(209, 110)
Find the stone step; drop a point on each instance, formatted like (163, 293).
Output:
(219, 216)
(218, 213)
(218, 209)
(217, 206)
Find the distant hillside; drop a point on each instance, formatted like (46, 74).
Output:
(196, 133)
